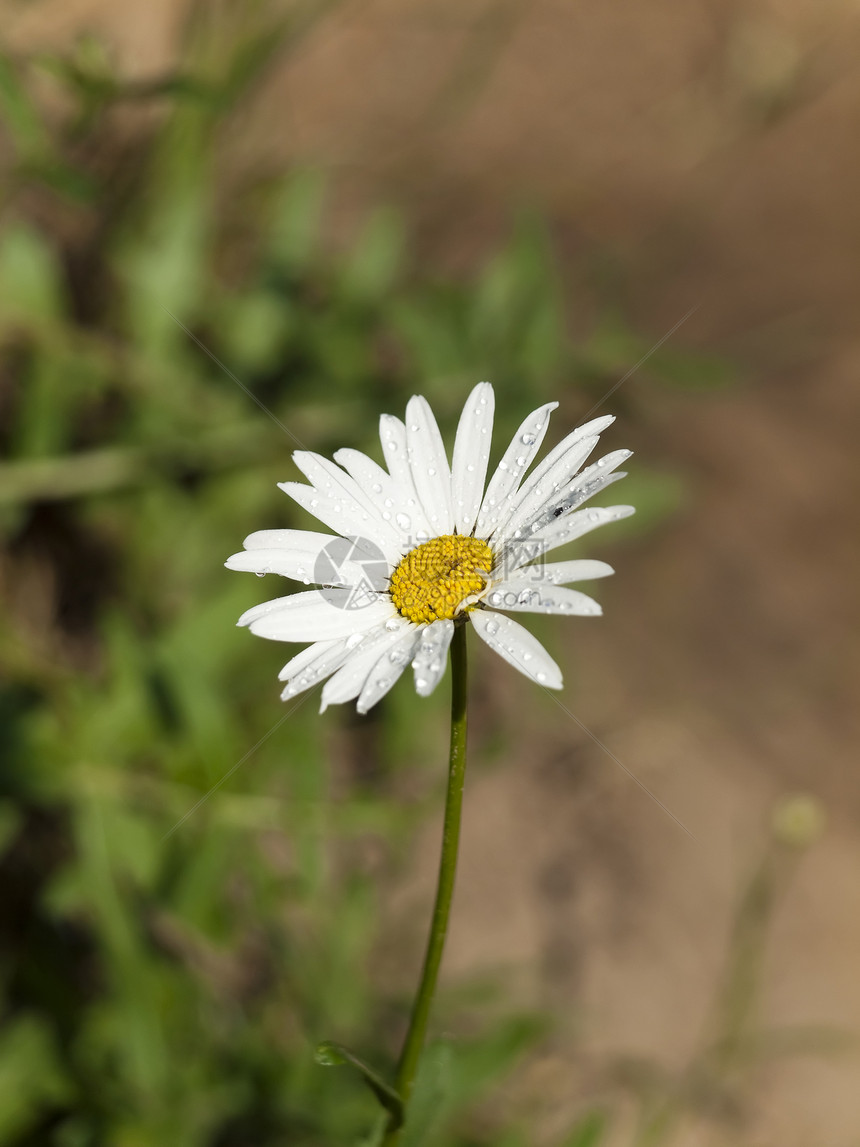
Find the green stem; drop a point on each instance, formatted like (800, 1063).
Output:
(417, 1032)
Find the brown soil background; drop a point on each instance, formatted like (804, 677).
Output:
(711, 148)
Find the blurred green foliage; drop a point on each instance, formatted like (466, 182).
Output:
(190, 893)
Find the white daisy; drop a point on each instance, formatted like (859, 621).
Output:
(421, 546)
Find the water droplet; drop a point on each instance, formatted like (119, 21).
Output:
(492, 627)
(541, 676)
(414, 427)
(528, 439)
(420, 683)
(435, 666)
(527, 657)
(354, 639)
(392, 624)
(403, 521)
(431, 471)
(521, 460)
(392, 445)
(261, 573)
(376, 488)
(470, 468)
(503, 465)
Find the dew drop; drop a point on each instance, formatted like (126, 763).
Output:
(541, 676)
(431, 471)
(376, 488)
(521, 460)
(420, 683)
(470, 468)
(528, 439)
(492, 627)
(392, 624)
(261, 573)
(403, 521)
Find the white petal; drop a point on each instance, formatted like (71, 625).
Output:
(544, 487)
(522, 594)
(561, 531)
(584, 486)
(509, 473)
(398, 506)
(347, 519)
(333, 483)
(329, 567)
(471, 455)
(431, 654)
(562, 573)
(387, 670)
(592, 429)
(517, 646)
(350, 679)
(366, 473)
(392, 435)
(429, 465)
(316, 615)
(287, 540)
(306, 656)
(328, 657)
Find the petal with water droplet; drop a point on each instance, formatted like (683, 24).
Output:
(429, 465)
(471, 455)
(315, 615)
(517, 646)
(510, 472)
(529, 596)
(429, 661)
(387, 670)
(350, 679)
(562, 573)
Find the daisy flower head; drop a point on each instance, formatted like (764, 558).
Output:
(422, 545)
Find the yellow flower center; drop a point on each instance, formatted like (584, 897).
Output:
(434, 579)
